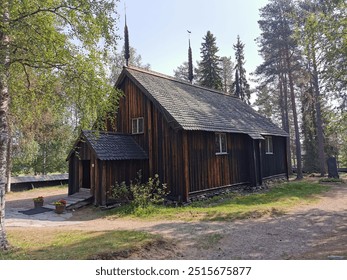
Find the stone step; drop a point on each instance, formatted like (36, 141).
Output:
(75, 201)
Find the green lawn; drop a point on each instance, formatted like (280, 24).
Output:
(232, 206)
(53, 244)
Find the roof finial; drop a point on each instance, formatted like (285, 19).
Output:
(126, 40)
(190, 61)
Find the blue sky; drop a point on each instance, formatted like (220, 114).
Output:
(158, 29)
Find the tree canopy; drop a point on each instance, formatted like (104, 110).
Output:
(240, 87)
(52, 55)
(303, 45)
(209, 70)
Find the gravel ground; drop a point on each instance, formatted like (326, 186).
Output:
(306, 232)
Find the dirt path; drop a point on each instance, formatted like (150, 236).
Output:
(306, 232)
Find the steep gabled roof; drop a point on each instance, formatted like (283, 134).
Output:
(192, 107)
(113, 146)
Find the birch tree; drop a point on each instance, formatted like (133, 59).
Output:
(68, 39)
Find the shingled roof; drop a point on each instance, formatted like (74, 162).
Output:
(114, 146)
(192, 107)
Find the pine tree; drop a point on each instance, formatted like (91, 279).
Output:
(210, 73)
(227, 73)
(181, 72)
(240, 86)
(280, 53)
(310, 163)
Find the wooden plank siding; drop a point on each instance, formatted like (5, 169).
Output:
(208, 170)
(162, 143)
(187, 160)
(276, 163)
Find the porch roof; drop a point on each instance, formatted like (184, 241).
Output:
(114, 146)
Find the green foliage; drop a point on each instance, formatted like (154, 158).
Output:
(121, 192)
(152, 192)
(309, 129)
(118, 62)
(142, 196)
(58, 78)
(303, 45)
(266, 103)
(209, 72)
(42, 144)
(240, 87)
(182, 71)
(227, 73)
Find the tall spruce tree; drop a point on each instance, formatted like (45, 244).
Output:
(240, 86)
(209, 70)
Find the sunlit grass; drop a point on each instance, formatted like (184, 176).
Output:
(232, 206)
(58, 244)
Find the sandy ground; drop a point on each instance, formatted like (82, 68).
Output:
(312, 231)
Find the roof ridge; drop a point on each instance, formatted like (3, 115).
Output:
(164, 76)
(106, 132)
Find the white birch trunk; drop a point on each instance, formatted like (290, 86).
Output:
(4, 105)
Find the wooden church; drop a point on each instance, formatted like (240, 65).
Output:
(196, 139)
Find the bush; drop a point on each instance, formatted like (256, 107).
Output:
(121, 192)
(141, 195)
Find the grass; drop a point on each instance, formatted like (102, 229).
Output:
(58, 244)
(233, 206)
(331, 180)
(208, 241)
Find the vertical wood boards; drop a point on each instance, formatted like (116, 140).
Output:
(185, 160)
(162, 143)
(275, 163)
(209, 170)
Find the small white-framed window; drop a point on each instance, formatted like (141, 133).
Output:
(221, 143)
(268, 145)
(137, 125)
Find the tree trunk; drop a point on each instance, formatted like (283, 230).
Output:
(286, 127)
(295, 117)
(319, 122)
(4, 105)
(9, 160)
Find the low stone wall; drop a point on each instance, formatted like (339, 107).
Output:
(241, 189)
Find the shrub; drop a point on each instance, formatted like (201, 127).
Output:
(141, 195)
(121, 192)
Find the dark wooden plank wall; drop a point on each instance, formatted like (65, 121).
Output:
(162, 143)
(107, 173)
(73, 187)
(274, 164)
(208, 170)
(187, 158)
(75, 166)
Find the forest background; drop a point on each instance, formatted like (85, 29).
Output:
(301, 84)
